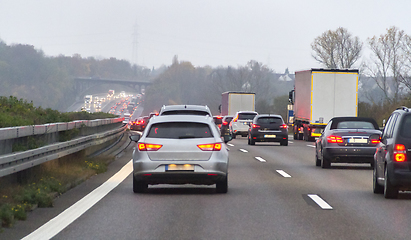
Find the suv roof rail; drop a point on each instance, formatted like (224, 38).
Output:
(403, 108)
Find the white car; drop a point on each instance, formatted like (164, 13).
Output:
(241, 122)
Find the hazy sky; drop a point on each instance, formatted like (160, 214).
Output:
(204, 32)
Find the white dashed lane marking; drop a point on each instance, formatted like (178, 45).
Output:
(320, 202)
(311, 146)
(260, 159)
(243, 150)
(229, 144)
(284, 174)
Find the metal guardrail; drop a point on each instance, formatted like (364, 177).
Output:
(15, 162)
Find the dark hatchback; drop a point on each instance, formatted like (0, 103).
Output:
(347, 140)
(392, 170)
(268, 128)
(225, 130)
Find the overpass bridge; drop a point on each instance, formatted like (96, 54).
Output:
(83, 84)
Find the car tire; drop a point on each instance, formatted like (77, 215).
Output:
(139, 186)
(233, 136)
(325, 162)
(377, 188)
(248, 140)
(252, 141)
(222, 186)
(317, 160)
(390, 192)
(284, 143)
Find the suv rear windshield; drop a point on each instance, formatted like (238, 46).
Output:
(355, 125)
(185, 112)
(246, 116)
(269, 120)
(406, 127)
(179, 130)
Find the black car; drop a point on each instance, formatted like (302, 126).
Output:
(139, 124)
(268, 128)
(224, 129)
(347, 140)
(392, 169)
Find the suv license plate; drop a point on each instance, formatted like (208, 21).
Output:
(179, 167)
(270, 136)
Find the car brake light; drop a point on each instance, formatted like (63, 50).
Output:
(284, 126)
(149, 147)
(375, 141)
(400, 153)
(225, 123)
(219, 117)
(210, 147)
(255, 126)
(334, 139)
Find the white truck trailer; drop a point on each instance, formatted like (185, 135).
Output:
(319, 95)
(232, 102)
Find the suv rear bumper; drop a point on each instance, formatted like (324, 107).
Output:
(400, 174)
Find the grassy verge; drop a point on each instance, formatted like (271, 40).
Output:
(18, 199)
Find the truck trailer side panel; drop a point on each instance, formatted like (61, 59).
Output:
(302, 103)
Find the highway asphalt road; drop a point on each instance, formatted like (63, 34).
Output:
(275, 192)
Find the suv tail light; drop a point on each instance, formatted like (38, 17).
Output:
(400, 153)
(149, 147)
(334, 139)
(210, 147)
(255, 126)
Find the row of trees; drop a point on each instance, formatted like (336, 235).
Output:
(389, 65)
(182, 83)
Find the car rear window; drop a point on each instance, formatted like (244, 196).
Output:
(246, 116)
(179, 130)
(218, 120)
(269, 120)
(228, 119)
(405, 130)
(355, 125)
(185, 112)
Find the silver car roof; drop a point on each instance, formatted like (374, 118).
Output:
(166, 108)
(182, 118)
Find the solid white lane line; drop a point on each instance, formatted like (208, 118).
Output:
(61, 221)
(243, 150)
(311, 146)
(260, 159)
(282, 173)
(323, 204)
(229, 144)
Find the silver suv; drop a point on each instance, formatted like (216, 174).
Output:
(240, 123)
(185, 110)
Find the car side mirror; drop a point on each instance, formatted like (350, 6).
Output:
(135, 138)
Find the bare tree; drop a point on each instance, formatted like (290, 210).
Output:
(388, 62)
(406, 74)
(337, 49)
